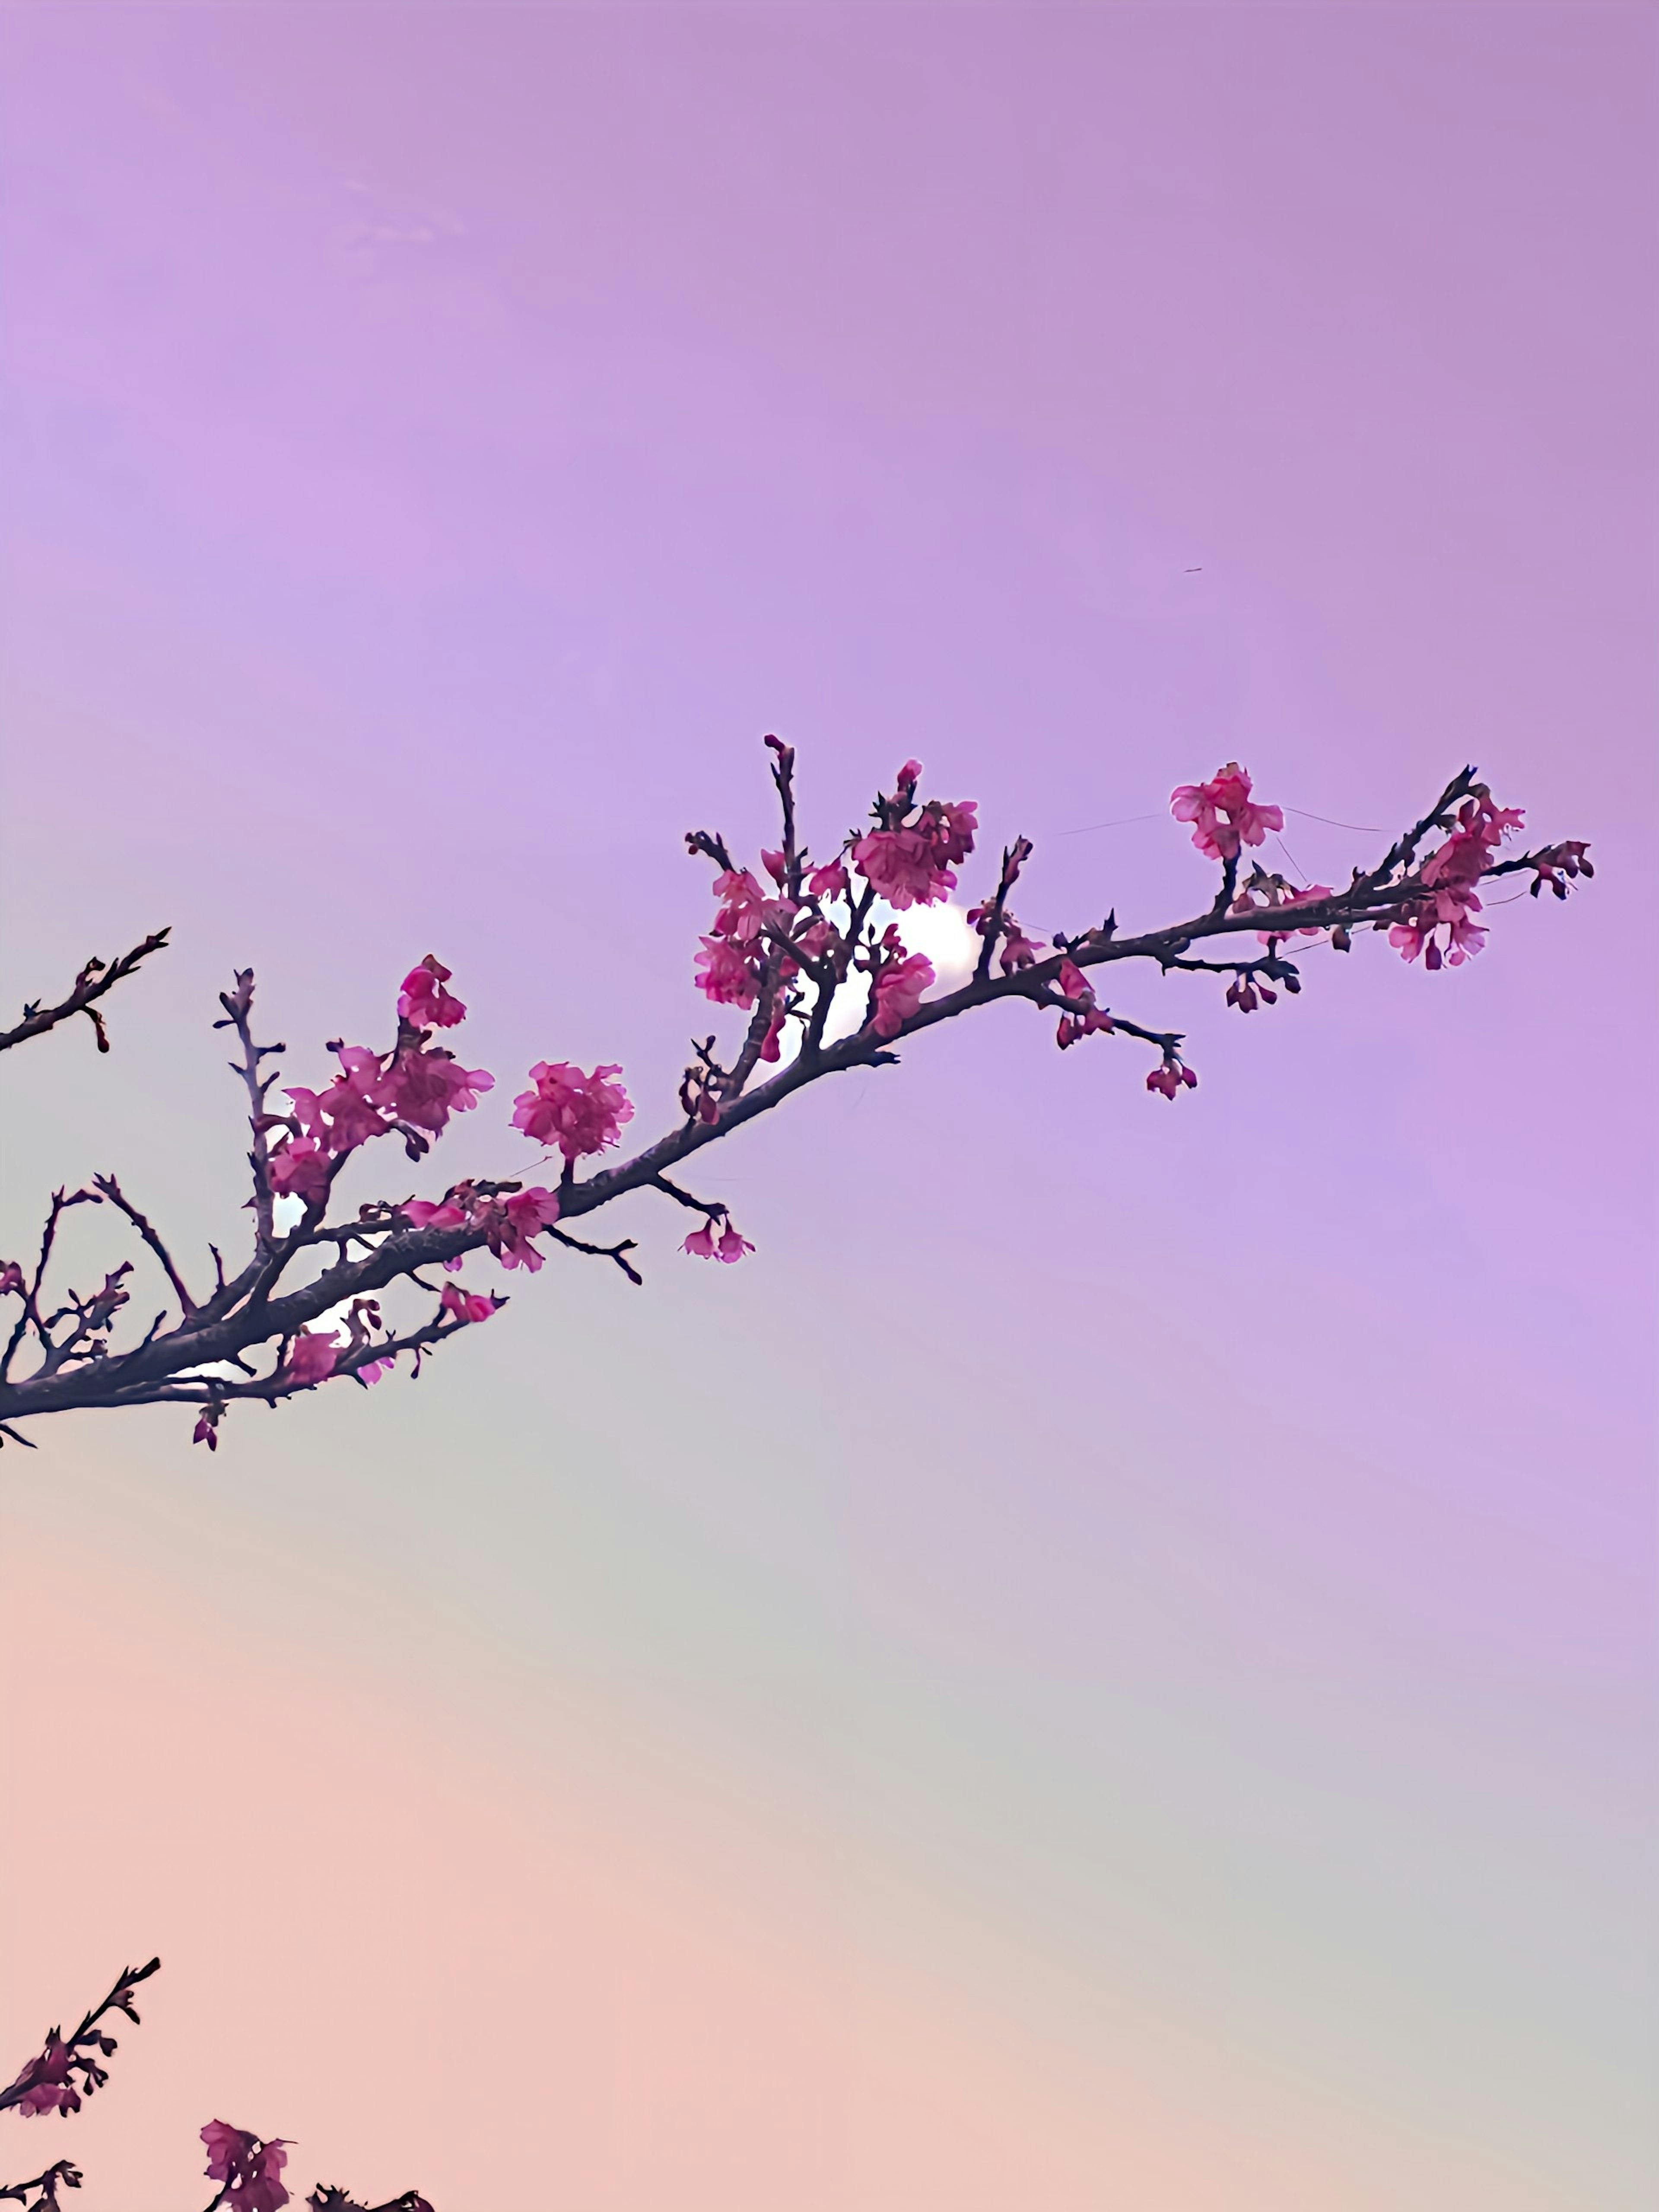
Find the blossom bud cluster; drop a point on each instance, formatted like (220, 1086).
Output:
(1222, 814)
(1450, 875)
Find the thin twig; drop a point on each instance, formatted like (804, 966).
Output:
(90, 985)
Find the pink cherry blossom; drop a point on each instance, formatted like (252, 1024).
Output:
(950, 826)
(581, 1114)
(49, 2086)
(530, 1210)
(899, 990)
(1214, 838)
(902, 867)
(372, 1370)
(513, 1225)
(742, 916)
(250, 2169)
(1019, 950)
(830, 881)
(11, 1279)
(1222, 814)
(1469, 851)
(424, 1003)
(1092, 1020)
(206, 1432)
(311, 1359)
(425, 1088)
(818, 939)
(426, 1213)
(298, 1169)
(775, 865)
(728, 978)
(907, 778)
(731, 1246)
(1170, 1079)
(700, 1243)
(344, 1115)
(1448, 908)
(466, 1305)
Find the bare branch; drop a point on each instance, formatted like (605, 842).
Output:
(63, 2175)
(602, 1252)
(90, 985)
(112, 1191)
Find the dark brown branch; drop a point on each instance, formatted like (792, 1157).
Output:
(112, 1191)
(90, 985)
(1014, 858)
(602, 1252)
(65, 2175)
(711, 1211)
(238, 1006)
(30, 1316)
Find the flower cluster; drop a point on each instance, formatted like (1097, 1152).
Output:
(1172, 1078)
(312, 1358)
(581, 1114)
(734, 956)
(248, 2168)
(1083, 1018)
(1450, 875)
(912, 861)
(510, 1222)
(47, 2084)
(901, 981)
(1222, 814)
(414, 1090)
(704, 1244)
(423, 1003)
(66, 2068)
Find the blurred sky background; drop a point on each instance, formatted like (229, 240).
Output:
(1110, 1668)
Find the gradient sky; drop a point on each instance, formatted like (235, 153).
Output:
(1110, 1666)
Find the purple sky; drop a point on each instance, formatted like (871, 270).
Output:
(1153, 1663)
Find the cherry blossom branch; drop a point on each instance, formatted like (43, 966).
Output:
(989, 920)
(817, 921)
(249, 2170)
(49, 2082)
(90, 985)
